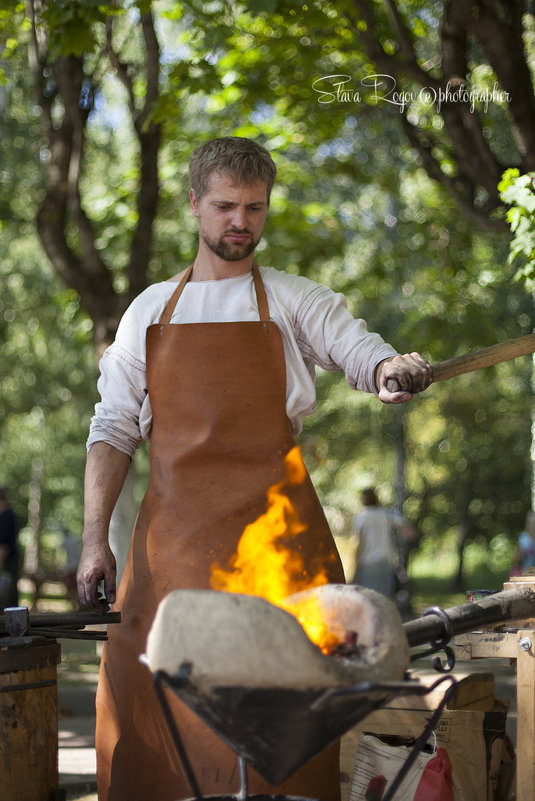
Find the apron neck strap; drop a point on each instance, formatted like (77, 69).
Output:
(263, 308)
(173, 300)
(261, 299)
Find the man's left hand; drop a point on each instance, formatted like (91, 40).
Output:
(412, 373)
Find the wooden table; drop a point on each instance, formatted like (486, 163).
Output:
(515, 642)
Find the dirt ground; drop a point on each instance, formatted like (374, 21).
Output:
(77, 685)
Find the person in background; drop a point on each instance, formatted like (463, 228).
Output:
(9, 553)
(525, 549)
(376, 531)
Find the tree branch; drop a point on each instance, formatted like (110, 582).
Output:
(86, 274)
(454, 43)
(85, 271)
(459, 187)
(477, 165)
(152, 62)
(402, 34)
(409, 65)
(120, 69)
(502, 41)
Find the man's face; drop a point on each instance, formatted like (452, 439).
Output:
(231, 217)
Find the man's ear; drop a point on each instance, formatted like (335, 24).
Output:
(193, 203)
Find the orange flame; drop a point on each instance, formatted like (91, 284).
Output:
(263, 565)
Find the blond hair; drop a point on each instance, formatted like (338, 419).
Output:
(244, 160)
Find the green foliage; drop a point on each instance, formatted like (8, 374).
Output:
(47, 387)
(433, 571)
(70, 25)
(518, 191)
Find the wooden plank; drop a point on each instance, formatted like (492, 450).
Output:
(525, 782)
(486, 644)
(473, 691)
(462, 648)
(520, 581)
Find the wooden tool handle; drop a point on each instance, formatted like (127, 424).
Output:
(477, 360)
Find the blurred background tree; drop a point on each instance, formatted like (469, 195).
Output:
(396, 205)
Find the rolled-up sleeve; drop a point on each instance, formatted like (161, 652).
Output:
(123, 417)
(122, 387)
(334, 340)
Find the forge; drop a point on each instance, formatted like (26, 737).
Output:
(250, 671)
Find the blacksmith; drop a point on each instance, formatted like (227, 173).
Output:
(216, 367)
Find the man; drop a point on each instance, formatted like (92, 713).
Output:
(216, 366)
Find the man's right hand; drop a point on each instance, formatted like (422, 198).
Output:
(97, 563)
(105, 472)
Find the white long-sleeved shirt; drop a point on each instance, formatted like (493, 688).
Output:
(316, 328)
(374, 528)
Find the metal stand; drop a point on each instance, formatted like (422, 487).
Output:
(181, 679)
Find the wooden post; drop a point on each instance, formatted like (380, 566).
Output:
(525, 696)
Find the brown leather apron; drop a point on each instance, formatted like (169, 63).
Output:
(219, 437)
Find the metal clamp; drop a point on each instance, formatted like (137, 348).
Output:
(443, 615)
(442, 644)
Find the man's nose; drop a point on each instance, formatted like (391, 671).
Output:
(239, 218)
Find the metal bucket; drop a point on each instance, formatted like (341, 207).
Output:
(28, 718)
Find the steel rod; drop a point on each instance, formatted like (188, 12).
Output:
(69, 619)
(66, 634)
(517, 603)
(60, 622)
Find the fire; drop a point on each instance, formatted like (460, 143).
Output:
(263, 565)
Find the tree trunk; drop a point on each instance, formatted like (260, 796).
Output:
(403, 596)
(464, 530)
(399, 438)
(64, 225)
(32, 556)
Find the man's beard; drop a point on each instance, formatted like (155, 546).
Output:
(230, 251)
